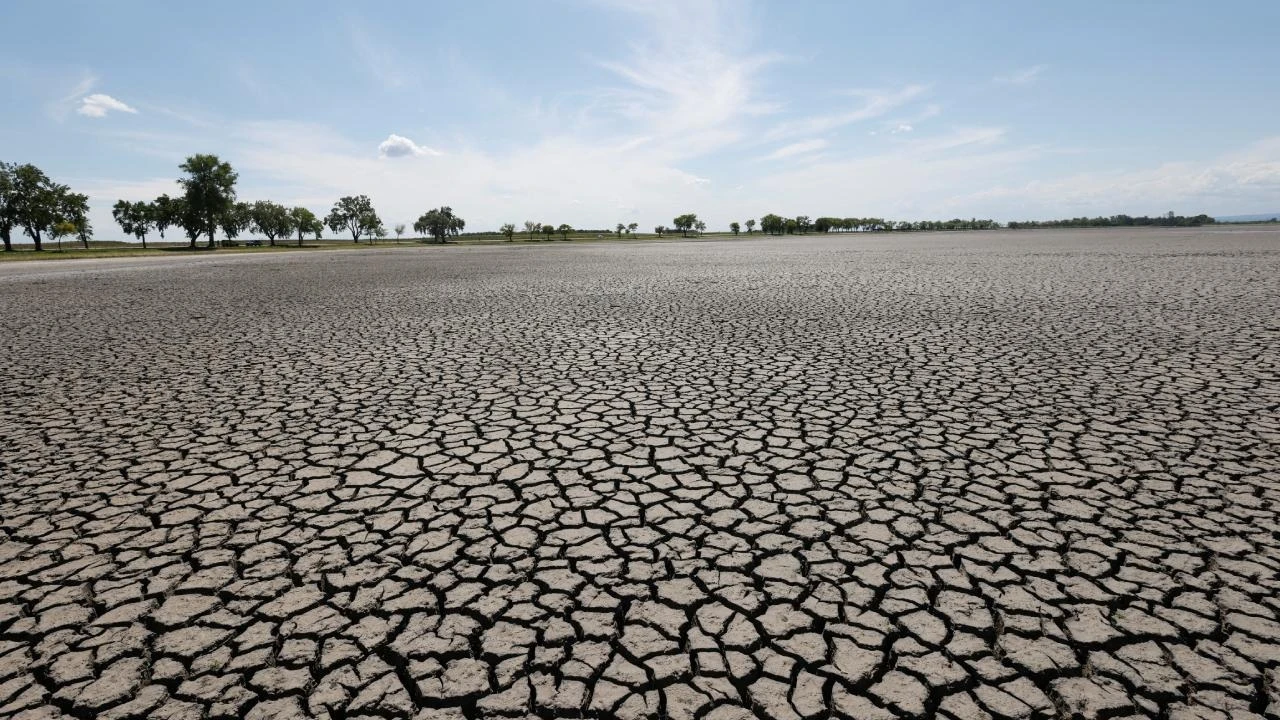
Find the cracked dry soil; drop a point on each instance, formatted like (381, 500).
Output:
(963, 475)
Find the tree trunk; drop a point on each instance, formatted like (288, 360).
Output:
(8, 243)
(144, 242)
(39, 244)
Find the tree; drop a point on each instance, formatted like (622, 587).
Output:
(772, 224)
(165, 213)
(620, 228)
(306, 223)
(701, 227)
(210, 189)
(802, 223)
(37, 202)
(564, 230)
(734, 228)
(272, 220)
(440, 224)
(134, 218)
(659, 230)
(549, 230)
(509, 230)
(237, 219)
(685, 223)
(751, 224)
(631, 229)
(399, 230)
(532, 228)
(75, 210)
(8, 204)
(61, 229)
(353, 214)
(123, 215)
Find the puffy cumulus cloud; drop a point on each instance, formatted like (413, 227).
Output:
(399, 146)
(98, 105)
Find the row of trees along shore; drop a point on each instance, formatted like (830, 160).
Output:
(40, 207)
(208, 207)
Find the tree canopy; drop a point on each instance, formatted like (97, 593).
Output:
(209, 190)
(306, 223)
(685, 223)
(440, 223)
(354, 214)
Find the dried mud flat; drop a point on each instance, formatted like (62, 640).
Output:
(960, 475)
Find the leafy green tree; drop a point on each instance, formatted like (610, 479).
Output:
(751, 225)
(399, 230)
(564, 230)
(772, 224)
(658, 230)
(61, 229)
(8, 204)
(122, 213)
(210, 190)
(134, 218)
(306, 223)
(701, 227)
(632, 227)
(685, 223)
(271, 220)
(509, 231)
(237, 219)
(440, 224)
(549, 230)
(38, 202)
(620, 228)
(355, 215)
(532, 228)
(165, 213)
(75, 210)
(734, 228)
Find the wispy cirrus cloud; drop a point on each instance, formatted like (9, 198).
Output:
(805, 147)
(99, 105)
(874, 104)
(1023, 76)
(688, 98)
(378, 60)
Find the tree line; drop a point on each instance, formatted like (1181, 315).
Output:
(33, 203)
(208, 206)
(1167, 220)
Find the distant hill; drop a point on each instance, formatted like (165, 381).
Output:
(1259, 217)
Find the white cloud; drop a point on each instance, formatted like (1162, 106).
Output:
(800, 148)
(378, 60)
(399, 146)
(875, 104)
(1025, 76)
(902, 128)
(98, 105)
(1243, 181)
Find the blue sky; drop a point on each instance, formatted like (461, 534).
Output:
(595, 112)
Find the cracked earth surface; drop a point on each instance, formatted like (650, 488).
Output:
(966, 476)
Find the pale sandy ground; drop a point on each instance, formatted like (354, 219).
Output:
(959, 475)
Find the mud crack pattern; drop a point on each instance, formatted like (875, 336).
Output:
(965, 476)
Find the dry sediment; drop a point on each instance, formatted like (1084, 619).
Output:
(964, 475)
